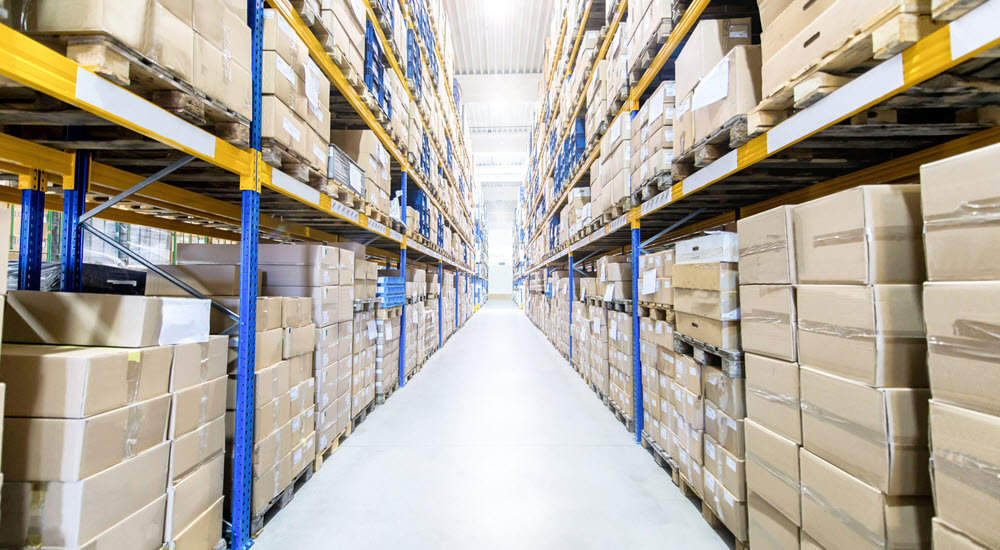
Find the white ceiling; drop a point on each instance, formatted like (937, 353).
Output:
(499, 51)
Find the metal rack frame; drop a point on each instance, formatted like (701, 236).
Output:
(35, 65)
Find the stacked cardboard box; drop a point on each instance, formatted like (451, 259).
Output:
(620, 366)
(345, 21)
(651, 23)
(600, 352)
(364, 147)
(705, 290)
(658, 362)
(618, 66)
(718, 78)
(296, 104)
(387, 353)
(615, 166)
(653, 136)
(597, 100)
(960, 314)
(206, 44)
(769, 323)
(363, 364)
(863, 381)
(70, 445)
(655, 283)
(614, 277)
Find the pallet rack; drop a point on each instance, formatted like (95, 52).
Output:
(767, 171)
(215, 189)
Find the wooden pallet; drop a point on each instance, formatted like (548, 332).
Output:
(279, 502)
(651, 188)
(729, 361)
(366, 304)
(280, 156)
(343, 195)
(722, 140)
(656, 312)
(660, 456)
(617, 305)
(331, 447)
(113, 60)
(625, 419)
(389, 312)
(380, 398)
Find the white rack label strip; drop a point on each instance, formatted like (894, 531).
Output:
(104, 95)
(725, 165)
(395, 235)
(296, 188)
(975, 29)
(342, 210)
(657, 202)
(376, 226)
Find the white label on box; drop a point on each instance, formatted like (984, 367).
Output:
(294, 393)
(668, 115)
(713, 87)
(297, 457)
(731, 463)
(104, 95)
(677, 395)
(649, 282)
(710, 484)
(312, 89)
(285, 69)
(656, 104)
(320, 154)
(728, 497)
(388, 330)
(284, 27)
(610, 292)
(415, 317)
(296, 424)
(693, 371)
(356, 177)
(615, 131)
(710, 450)
(731, 423)
(709, 413)
(289, 127)
(690, 399)
(372, 330)
(739, 31)
(597, 325)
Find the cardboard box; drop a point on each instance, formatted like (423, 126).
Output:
(727, 431)
(279, 123)
(872, 334)
(767, 248)
(280, 37)
(727, 507)
(103, 319)
(965, 458)
(189, 497)
(77, 512)
(268, 254)
(715, 276)
(721, 334)
(726, 393)
(769, 320)
(714, 247)
(56, 449)
(200, 362)
(773, 395)
(729, 89)
(298, 341)
(772, 470)
(70, 382)
(874, 520)
(946, 537)
(204, 532)
(268, 313)
(866, 235)
(954, 233)
(192, 449)
(726, 468)
(210, 280)
(198, 405)
(268, 348)
(216, 73)
(707, 44)
(768, 528)
(683, 126)
(876, 435)
(961, 356)
(721, 306)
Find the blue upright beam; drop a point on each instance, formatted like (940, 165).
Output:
(402, 272)
(570, 306)
(456, 299)
(32, 186)
(636, 366)
(74, 203)
(440, 298)
(242, 498)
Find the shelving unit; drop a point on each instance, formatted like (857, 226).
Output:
(161, 171)
(806, 156)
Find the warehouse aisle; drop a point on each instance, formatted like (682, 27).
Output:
(497, 443)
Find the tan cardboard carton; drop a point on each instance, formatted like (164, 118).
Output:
(721, 306)
(721, 334)
(952, 191)
(298, 341)
(730, 89)
(946, 537)
(873, 520)
(292, 275)
(772, 469)
(71, 382)
(726, 468)
(279, 36)
(56, 449)
(769, 320)
(268, 313)
(103, 319)
(725, 392)
(965, 448)
(773, 395)
(767, 248)
(872, 334)
(876, 435)
(768, 528)
(683, 126)
(708, 43)
(210, 280)
(727, 431)
(866, 235)
(268, 254)
(199, 362)
(961, 354)
(204, 532)
(217, 74)
(77, 512)
(729, 509)
(193, 449)
(196, 406)
(706, 276)
(189, 497)
(279, 123)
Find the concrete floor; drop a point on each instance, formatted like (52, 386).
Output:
(497, 443)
